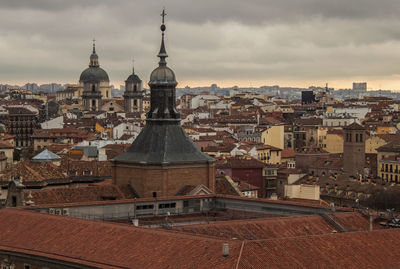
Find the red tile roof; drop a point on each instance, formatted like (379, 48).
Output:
(80, 194)
(345, 250)
(268, 147)
(288, 153)
(108, 245)
(286, 242)
(277, 227)
(239, 162)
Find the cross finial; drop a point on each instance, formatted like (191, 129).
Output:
(163, 14)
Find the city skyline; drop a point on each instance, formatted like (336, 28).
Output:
(291, 43)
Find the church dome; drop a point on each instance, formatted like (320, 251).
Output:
(94, 74)
(162, 75)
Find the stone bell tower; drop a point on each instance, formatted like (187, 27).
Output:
(163, 159)
(354, 149)
(133, 95)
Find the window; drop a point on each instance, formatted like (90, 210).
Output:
(154, 194)
(185, 203)
(168, 205)
(86, 173)
(144, 207)
(27, 266)
(361, 138)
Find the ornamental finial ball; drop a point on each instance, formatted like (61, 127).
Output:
(163, 27)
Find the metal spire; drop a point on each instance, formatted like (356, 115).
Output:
(94, 46)
(133, 66)
(162, 54)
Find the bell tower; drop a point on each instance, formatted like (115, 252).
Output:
(133, 95)
(354, 149)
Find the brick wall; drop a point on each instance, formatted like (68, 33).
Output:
(164, 180)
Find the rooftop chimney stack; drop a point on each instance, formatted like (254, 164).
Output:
(225, 249)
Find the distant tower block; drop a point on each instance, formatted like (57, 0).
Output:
(163, 159)
(133, 95)
(354, 149)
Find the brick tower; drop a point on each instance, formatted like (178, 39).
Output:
(163, 159)
(354, 149)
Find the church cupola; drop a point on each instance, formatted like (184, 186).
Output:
(162, 159)
(133, 94)
(94, 59)
(162, 86)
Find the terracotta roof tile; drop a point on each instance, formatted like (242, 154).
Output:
(109, 245)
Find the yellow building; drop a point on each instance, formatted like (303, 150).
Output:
(388, 168)
(386, 129)
(104, 129)
(146, 103)
(269, 154)
(332, 141)
(389, 162)
(274, 136)
(375, 141)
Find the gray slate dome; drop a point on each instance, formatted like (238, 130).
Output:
(133, 78)
(94, 74)
(162, 75)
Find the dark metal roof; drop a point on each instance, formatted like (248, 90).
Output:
(94, 74)
(162, 143)
(162, 75)
(133, 78)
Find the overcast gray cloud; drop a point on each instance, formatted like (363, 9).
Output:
(259, 42)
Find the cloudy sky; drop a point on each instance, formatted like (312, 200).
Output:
(228, 42)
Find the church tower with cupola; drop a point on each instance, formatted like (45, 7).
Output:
(94, 84)
(133, 95)
(162, 160)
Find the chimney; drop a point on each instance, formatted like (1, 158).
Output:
(135, 222)
(225, 249)
(371, 227)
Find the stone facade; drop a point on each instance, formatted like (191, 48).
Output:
(354, 149)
